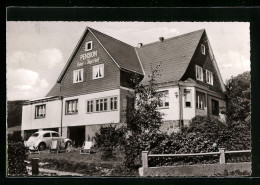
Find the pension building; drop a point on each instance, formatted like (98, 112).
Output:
(93, 88)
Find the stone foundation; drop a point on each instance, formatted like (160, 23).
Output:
(170, 126)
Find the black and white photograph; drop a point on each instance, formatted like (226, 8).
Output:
(128, 99)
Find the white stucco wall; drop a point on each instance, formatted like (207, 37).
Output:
(189, 112)
(84, 118)
(171, 113)
(51, 120)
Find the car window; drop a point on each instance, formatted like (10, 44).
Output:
(55, 134)
(35, 135)
(47, 135)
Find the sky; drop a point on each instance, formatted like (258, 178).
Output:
(38, 51)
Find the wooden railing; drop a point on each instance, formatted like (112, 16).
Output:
(221, 154)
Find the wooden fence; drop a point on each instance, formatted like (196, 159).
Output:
(221, 154)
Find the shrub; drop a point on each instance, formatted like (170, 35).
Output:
(199, 138)
(16, 156)
(108, 138)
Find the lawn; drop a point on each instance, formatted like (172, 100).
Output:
(87, 164)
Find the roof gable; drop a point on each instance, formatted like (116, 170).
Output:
(124, 54)
(173, 55)
(121, 53)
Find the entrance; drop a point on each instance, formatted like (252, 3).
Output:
(77, 135)
(28, 133)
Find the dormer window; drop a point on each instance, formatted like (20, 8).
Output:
(199, 73)
(209, 77)
(88, 46)
(203, 49)
(78, 76)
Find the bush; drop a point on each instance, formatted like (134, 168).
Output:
(198, 138)
(109, 138)
(16, 156)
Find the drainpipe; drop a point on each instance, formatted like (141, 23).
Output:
(61, 98)
(180, 107)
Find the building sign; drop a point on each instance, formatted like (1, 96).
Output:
(88, 58)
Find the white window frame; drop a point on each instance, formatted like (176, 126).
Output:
(40, 111)
(101, 104)
(209, 77)
(76, 75)
(203, 49)
(71, 108)
(199, 73)
(185, 98)
(201, 104)
(98, 67)
(165, 99)
(86, 46)
(113, 103)
(90, 106)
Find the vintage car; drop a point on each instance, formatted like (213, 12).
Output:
(43, 139)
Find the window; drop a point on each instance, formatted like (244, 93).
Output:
(101, 105)
(203, 49)
(113, 103)
(200, 100)
(215, 107)
(78, 76)
(72, 107)
(98, 71)
(209, 77)
(199, 73)
(187, 94)
(35, 135)
(90, 106)
(88, 46)
(40, 111)
(164, 97)
(54, 134)
(47, 135)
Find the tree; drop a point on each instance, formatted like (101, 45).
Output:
(14, 114)
(143, 120)
(144, 116)
(239, 98)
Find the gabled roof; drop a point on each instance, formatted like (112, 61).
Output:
(173, 55)
(121, 53)
(55, 90)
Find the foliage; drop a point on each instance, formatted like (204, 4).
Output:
(89, 165)
(16, 156)
(143, 120)
(144, 116)
(14, 113)
(108, 138)
(239, 98)
(203, 135)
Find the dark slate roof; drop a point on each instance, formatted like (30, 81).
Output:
(173, 55)
(55, 91)
(123, 54)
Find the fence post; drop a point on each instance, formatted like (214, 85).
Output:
(222, 156)
(35, 166)
(145, 159)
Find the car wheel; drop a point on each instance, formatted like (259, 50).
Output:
(42, 146)
(68, 143)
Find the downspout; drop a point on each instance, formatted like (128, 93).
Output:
(61, 98)
(180, 107)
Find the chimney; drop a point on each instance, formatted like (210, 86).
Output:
(161, 39)
(140, 45)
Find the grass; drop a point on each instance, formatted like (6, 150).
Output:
(87, 164)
